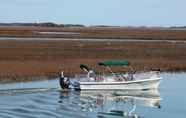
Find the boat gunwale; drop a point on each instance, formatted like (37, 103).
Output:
(116, 83)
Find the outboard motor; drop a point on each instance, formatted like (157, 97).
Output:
(64, 81)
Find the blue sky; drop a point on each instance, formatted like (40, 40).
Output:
(96, 12)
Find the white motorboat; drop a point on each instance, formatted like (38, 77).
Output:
(113, 81)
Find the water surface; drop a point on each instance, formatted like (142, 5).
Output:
(94, 40)
(44, 99)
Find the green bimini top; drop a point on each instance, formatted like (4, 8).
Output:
(114, 63)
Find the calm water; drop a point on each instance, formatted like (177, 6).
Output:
(44, 99)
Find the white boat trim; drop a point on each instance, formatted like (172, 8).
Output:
(118, 83)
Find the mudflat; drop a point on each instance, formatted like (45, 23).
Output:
(95, 32)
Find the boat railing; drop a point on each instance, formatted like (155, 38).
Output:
(119, 76)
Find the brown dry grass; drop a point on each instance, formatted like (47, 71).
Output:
(22, 60)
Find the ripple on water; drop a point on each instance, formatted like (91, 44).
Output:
(54, 103)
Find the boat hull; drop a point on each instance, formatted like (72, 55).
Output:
(127, 85)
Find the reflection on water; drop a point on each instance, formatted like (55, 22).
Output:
(112, 103)
(45, 99)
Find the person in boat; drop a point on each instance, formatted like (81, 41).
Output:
(131, 73)
(91, 73)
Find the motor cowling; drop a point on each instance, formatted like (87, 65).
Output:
(64, 83)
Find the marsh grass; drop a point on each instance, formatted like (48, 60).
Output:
(22, 60)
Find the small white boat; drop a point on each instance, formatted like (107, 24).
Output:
(114, 81)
